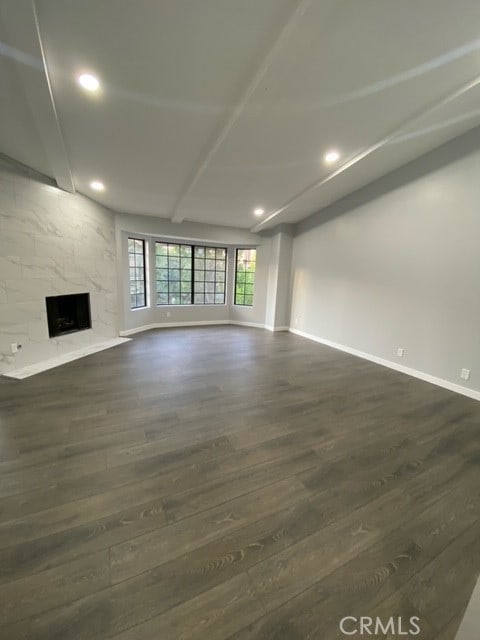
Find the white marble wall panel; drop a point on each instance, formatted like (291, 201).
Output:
(51, 243)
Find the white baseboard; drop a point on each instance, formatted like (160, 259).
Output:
(240, 323)
(271, 328)
(167, 325)
(440, 382)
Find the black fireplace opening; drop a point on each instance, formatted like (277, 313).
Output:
(67, 314)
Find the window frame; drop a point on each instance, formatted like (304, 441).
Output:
(194, 267)
(136, 280)
(235, 302)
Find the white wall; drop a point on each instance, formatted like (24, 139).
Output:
(152, 228)
(398, 264)
(51, 243)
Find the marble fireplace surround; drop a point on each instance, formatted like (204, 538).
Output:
(51, 243)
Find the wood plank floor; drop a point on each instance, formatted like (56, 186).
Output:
(223, 483)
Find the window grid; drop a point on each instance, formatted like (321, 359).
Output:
(189, 274)
(136, 263)
(245, 263)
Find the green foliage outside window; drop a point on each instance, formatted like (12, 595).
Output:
(245, 276)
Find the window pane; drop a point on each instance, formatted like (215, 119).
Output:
(162, 274)
(209, 270)
(174, 274)
(245, 276)
(136, 261)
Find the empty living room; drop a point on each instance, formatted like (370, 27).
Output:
(239, 319)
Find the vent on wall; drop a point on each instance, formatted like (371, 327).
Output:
(68, 314)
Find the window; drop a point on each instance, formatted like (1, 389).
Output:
(187, 274)
(136, 262)
(209, 276)
(245, 276)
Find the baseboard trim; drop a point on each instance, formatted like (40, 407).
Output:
(426, 377)
(199, 323)
(168, 325)
(240, 323)
(271, 328)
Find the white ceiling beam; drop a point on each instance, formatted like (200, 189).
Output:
(222, 132)
(21, 26)
(369, 150)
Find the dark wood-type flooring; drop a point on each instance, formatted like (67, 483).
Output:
(229, 483)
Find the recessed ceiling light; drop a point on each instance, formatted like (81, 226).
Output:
(89, 82)
(96, 185)
(331, 156)
(259, 211)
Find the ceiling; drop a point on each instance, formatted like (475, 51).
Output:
(211, 108)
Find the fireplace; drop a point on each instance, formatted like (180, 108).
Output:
(67, 314)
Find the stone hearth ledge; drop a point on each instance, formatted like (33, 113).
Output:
(51, 363)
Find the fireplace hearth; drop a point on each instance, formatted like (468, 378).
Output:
(68, 314)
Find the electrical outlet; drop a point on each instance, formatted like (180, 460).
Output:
(14, 347)
(465, 374)
(400, 352)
